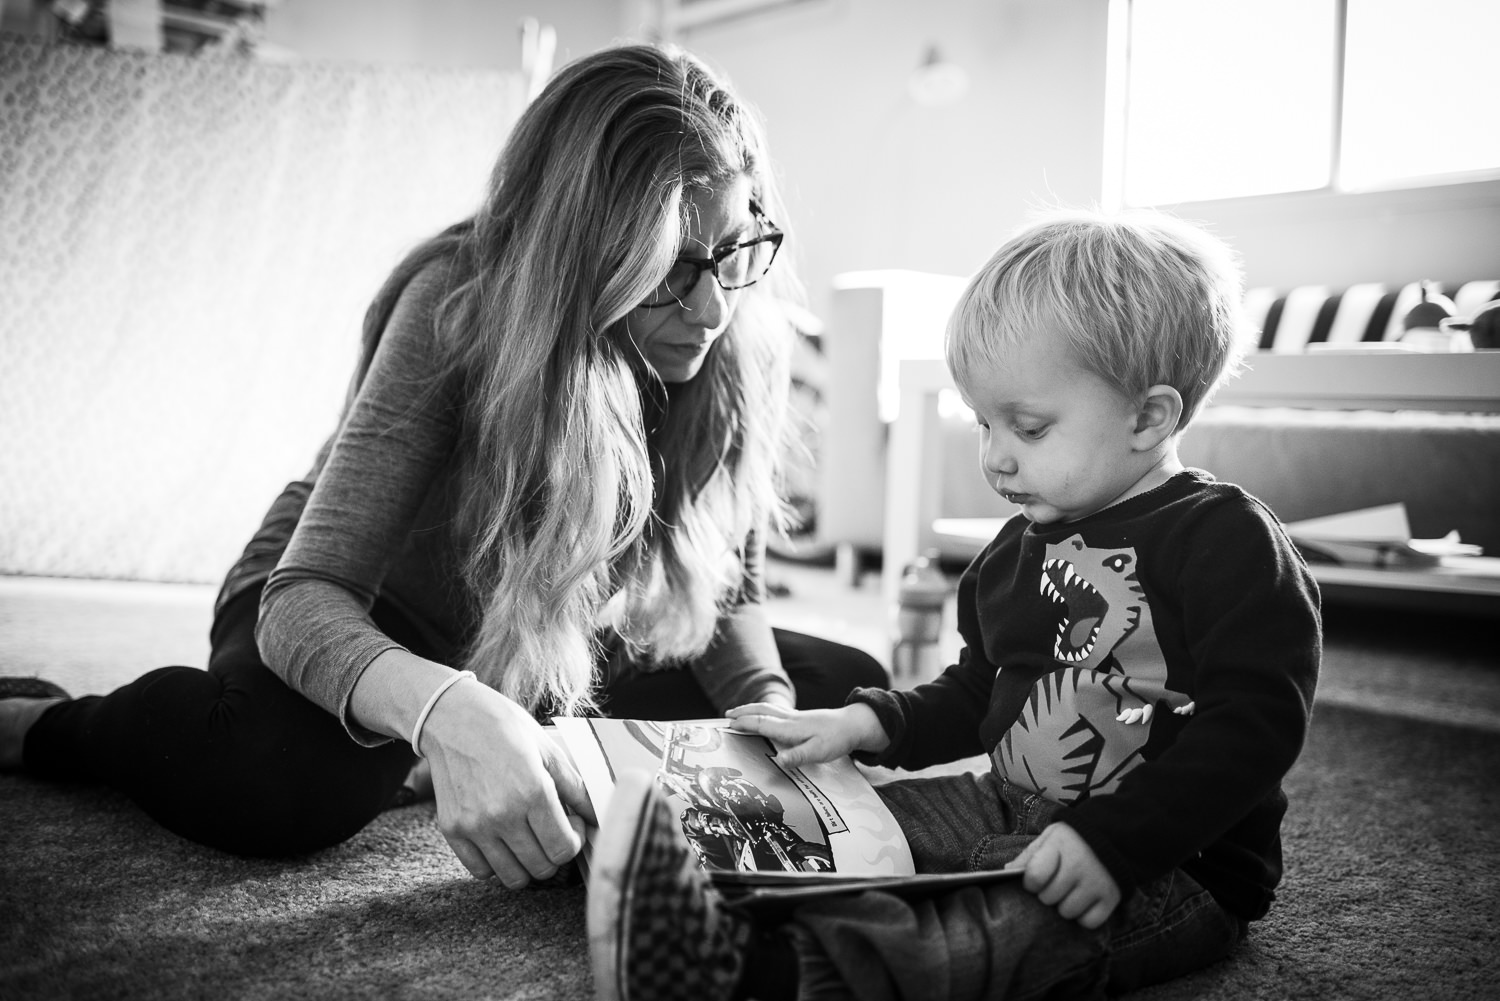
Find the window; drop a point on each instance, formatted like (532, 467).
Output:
(1227, 98)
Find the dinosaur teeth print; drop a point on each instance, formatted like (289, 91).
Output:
(1065, 652)
(1084, 608)
(1082, 725)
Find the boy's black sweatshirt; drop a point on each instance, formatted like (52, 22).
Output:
(1190, 600)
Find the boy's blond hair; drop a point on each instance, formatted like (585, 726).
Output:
(1141, 298)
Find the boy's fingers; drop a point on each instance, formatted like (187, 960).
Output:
(1040, 870)
(795, 755)
(756, 723)
(1055, 893)
(769, 709)
(1074, 904)
(780, 730)
(1096, 915)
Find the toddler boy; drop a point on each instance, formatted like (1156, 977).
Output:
(1140, 653)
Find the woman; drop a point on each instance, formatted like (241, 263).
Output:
(554, 471)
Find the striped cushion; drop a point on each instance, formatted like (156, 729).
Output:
(1371, 311)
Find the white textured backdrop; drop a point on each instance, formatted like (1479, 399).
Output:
(187, 247)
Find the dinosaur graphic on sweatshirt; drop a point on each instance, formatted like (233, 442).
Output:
(1086, 723)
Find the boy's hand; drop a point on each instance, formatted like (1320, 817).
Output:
(804, 736)
(1063, 871)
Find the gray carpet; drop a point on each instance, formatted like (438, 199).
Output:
(96, 901)
(1392, 891)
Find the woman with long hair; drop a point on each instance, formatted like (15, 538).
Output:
(548, 494)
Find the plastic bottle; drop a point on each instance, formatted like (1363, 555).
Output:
(919, 618)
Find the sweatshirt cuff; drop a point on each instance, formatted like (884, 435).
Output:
(1119, 869)
(888, 709)
(362, 735)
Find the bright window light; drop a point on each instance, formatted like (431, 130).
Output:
(1219, 98)
(1227, 98)
(1419, 91)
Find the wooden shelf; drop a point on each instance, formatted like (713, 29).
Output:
(1461, 585)
(1466, 585)
(1399, 380)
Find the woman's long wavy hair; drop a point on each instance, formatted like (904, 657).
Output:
(570, 521)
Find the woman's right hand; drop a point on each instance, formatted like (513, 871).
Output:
(509, 801)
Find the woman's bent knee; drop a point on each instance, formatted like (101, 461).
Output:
(235, 760)
(286, 805)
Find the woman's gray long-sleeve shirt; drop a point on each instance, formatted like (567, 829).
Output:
(374, 517)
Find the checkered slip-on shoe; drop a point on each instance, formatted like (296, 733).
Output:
(31, 688)
(657, 930)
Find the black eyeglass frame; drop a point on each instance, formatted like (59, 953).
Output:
(711, 263)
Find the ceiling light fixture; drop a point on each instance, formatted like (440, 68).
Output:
(936, 81)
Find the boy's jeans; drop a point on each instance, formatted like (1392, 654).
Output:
(996, 941)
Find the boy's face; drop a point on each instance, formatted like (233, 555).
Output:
(1056, 439)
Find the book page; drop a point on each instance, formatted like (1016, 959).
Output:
(740, 810)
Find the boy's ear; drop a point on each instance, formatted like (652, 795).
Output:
(1157, 417)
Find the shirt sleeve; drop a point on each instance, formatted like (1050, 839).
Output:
(742, 664)
(939, 721)
(263, 551)
(1250, 612)
(315, 629)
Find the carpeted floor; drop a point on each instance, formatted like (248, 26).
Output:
(1392, 887)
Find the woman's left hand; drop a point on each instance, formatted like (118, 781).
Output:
(508, 801)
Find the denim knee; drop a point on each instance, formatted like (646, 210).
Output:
(972, 944)
(1168, 928)
(950, 821)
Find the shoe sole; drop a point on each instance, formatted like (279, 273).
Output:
(31, 688)
(613, 858)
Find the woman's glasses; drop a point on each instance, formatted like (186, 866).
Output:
(736, 266)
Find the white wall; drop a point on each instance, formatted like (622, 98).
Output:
(1447, 233)
(480, 34)
(471, 34)
(876, 181)
(172, 232)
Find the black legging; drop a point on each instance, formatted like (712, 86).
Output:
(234, 759)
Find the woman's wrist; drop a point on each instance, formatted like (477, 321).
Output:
(432, 700)
(392, 690)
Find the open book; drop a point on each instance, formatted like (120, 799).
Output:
(758, 829)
